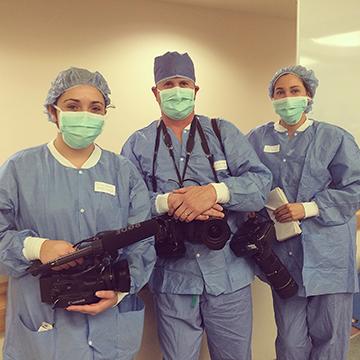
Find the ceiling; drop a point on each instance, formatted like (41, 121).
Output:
(279, 8)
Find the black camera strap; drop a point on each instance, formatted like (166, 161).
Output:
(205, 147)
(195, 124)
(168, 142)
(217, 132)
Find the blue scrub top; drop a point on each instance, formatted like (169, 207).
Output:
(319, 163)
(216, 271)
(43, 195)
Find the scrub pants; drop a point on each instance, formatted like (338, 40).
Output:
(313, 328)
(226, 319)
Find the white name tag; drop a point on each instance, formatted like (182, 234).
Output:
(220, 165)
(272, 148)
(105, 188)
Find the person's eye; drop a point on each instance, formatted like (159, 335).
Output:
(168, 85)
(72, 107)
(184, 84)
(295, 91)
(97, 110)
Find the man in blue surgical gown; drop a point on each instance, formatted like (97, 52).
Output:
(205, 290)
(54, 195)
(318, 167)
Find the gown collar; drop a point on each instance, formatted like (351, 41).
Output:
(89, 163)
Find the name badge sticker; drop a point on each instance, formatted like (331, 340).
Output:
(220, 165)
(272, 148)
(105, 188)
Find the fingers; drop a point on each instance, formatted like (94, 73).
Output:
(174, 202)
(289, 212)
(214, 213)
(202, 217)
(218, 207)
(183, 190)
(108, 300)
(182, 213)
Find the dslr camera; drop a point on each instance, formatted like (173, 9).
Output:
(254, 239)
(171, 238)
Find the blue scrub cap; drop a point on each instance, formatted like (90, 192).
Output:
(307, 76)
(72, 77)
(173, 64)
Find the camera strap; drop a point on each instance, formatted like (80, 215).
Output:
(205, 147)
(217, 132)
(168, 142)
(195, 125)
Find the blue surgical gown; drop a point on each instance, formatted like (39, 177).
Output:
(216, 272)
(321, 164)
(42, 195)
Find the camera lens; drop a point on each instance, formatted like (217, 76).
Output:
(214, 231)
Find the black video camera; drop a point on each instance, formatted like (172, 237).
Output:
(101, 268)
(170, 240)
(254, 238)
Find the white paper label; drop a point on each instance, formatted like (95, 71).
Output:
(272, 148)
(220, 165)
(105, 188)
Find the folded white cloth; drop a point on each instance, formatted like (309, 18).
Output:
(285, 230)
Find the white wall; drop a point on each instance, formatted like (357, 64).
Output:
(329, 43)
(235, 55)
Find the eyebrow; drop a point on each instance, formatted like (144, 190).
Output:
(77, 101)
(291, 87)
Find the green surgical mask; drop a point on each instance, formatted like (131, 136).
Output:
(291, 108)
(177, 103)
(79, 129)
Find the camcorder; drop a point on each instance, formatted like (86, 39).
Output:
(254, 239)
(173, 234)
(101, 268)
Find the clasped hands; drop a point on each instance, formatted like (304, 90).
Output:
(194, 203)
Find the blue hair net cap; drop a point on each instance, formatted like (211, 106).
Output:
(173, 64)
(76, 76)
(307, 76)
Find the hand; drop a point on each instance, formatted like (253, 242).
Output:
(216, 212)
(195, 201)
(174, 201)
(289, 212)
(53, 249)
(108, 299)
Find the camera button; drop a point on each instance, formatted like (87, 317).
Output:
(197, 255)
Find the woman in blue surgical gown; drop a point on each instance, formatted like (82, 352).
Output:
(318, 167)
(52, 196)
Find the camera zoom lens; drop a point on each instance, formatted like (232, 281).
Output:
(214, 231)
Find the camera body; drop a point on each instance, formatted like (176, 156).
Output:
(254, 239)
(101, 269)
(170, 240)
(77, 286)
